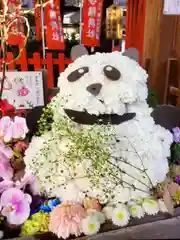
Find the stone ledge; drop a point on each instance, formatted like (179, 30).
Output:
(151, 227)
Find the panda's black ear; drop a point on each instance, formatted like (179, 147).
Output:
(167, 116)
(132, 53)
(78, 51)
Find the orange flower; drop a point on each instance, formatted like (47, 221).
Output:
(92, 203)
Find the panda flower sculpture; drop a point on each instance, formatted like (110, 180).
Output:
(103, 140)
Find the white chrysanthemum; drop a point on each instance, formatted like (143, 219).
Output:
(150, 206)
(120, 216)
(108, 211)
(71, 192)
(162, 206)
(90, 225)
(1, 234)
(136, 211)
(99, 215)
(35, 147)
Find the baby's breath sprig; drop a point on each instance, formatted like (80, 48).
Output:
(45, 122)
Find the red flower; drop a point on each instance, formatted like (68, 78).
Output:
(22, 92)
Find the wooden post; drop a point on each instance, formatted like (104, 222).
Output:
(161, 41)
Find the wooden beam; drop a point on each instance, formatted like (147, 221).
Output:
(161, 41)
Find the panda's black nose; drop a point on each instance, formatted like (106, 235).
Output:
(94, 89)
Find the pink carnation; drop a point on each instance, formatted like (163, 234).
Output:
(65, 219)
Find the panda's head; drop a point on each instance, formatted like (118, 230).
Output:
(102, 85)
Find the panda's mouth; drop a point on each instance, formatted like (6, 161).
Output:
(102, 119)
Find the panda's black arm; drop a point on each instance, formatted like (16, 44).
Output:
(167, 116)
(32, 118)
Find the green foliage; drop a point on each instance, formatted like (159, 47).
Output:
(175, 153)
(152, 98)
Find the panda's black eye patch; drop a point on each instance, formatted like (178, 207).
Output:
(78, 73)
(112, 73)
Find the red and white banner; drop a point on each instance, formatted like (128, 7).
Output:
(92, 17)
(16, 31)
(54, 28)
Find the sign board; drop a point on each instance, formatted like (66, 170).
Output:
(171, 7)
(24, 90)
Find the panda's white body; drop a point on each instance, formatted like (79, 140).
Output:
(139, 148)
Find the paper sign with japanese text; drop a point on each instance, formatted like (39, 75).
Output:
(24, 90)
(92, 17)
(53, 24)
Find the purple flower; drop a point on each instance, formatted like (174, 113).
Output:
(15, 205)
(176, 134)
(178, 179)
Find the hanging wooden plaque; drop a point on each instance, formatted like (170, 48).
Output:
(114, 15)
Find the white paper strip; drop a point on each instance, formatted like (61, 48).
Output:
(171, 7)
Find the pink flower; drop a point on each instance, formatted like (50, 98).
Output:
(6, 171)
(15, 205)
(5, 123)
(20, 146)
(5, 184)
(22, 92)
(16, 130)
(20, 128)
(65, 219)
(5, 151)
(28, 179)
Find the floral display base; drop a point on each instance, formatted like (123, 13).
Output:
(162, 226)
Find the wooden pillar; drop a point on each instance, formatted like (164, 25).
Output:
(161, 41)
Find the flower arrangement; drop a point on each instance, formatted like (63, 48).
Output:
(74, 176)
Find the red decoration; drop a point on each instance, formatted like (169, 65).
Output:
(7, 109)
(135, 23)
(54, 29)
(92, 17)
(16, 31)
